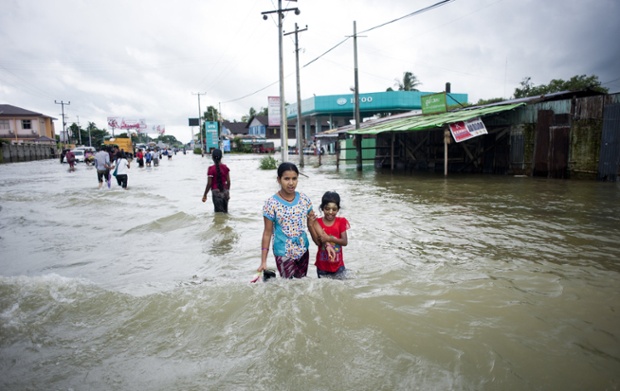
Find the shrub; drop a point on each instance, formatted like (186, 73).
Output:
(268, 163)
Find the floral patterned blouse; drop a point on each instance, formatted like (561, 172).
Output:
(289, 224)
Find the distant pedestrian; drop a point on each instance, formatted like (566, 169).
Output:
(71, 160)
(121, 167)
(140, 158)
(156, 157)
(102, 164)
(218, 181)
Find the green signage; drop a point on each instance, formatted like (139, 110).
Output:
(433, 104)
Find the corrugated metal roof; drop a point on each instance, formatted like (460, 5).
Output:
(430, 122)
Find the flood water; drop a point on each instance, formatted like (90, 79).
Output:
(458, 283)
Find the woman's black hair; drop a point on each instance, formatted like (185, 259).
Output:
(330, 196)
(216, 154)
(286, 166)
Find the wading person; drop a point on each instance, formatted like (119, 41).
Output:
(121, 170)
(218, 181)
(286, 216)
(102, 164)
(336, 228)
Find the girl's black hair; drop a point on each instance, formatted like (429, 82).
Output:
(286, 166)
(217, 157)
(330, 196)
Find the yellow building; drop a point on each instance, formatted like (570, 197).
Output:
(23, 125)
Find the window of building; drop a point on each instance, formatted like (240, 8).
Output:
(26, 124)
(4, 124)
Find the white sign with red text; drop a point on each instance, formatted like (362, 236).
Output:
(464, 130)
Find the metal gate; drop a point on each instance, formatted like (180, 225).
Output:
(609, 158)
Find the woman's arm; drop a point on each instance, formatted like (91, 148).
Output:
(264, 244)
(204, 197)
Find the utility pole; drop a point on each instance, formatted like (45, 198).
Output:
(64, 124)
(283, 121)
(299, 138)
(202, 145)
(356, 97)
(79, 130)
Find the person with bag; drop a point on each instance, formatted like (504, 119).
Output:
(218, 182)
(121, 167)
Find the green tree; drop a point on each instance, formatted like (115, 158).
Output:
(168, 139)
(576, 83)
(409, 82)
(211, 114)
(250, 114)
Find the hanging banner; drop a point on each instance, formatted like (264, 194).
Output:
(160, 129)
(464, 130)
(273, 109)
(121, 123)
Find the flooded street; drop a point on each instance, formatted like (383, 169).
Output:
(458, 283)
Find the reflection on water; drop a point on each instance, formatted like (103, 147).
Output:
(465, 282)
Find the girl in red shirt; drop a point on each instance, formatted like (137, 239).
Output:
(336, 227)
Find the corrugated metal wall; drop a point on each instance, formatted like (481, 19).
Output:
(609, 159)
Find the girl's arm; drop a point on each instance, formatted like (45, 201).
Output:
(228, 180)
(204, 197)
(342, 240)
(264, 244)
(312, 228)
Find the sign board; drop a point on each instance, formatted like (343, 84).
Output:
(273, 109)
(433, 104)
(464, 130)
(194, 121)
(211, 135)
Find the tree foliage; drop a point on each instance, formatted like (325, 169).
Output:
(576, 83)
(408, 83)
(211, 114)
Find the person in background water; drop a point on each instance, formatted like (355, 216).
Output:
(218, 181)
(156, 157)
(286, 215)
(336, 228)
(71, 160)
(140, 158)
(148, 157)
(122, 167)
(102, 164)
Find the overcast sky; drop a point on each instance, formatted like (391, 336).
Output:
(142, 59)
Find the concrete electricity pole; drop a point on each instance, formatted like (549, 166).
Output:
(202, 145)
(299, 128)
(283, 121)
(64, 124)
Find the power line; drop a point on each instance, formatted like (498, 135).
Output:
(420, 11)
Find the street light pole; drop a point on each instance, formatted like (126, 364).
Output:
(283, 122)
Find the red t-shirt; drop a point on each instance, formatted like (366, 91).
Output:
(322, 259)
(212, 172)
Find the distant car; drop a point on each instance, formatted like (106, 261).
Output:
(79, 156)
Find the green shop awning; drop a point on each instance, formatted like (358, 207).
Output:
(428, 122)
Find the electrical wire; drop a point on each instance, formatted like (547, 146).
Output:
(420, 11)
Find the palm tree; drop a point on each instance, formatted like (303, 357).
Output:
(409, 83)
